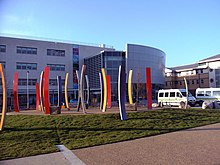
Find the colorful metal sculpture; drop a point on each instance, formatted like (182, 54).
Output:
(187, 93)
(148, 88)
(108, 78)
(122, 92)
(101, 90)
(87, 91)
(66, 91)
(60, 95)
(46, 90)
(15, 92)
(105, 90)
(4, 100)
(130, 87)
(37, 97)
(81, 91)
(41, 91)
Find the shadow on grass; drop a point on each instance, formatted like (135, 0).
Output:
(96, 129)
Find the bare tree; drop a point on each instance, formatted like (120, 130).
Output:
(138, 88)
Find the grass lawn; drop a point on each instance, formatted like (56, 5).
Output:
(26, 135)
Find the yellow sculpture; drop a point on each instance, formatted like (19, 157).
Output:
(3, 118)
(105, 90)
(129, 87)
(66, 92)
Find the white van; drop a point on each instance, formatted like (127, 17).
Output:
(207, 94)
(175, 97)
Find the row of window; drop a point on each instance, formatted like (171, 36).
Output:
(23, 82)
(33, 66)
(182, 82)
(32, 82)
(53, 82)
(26, 50)
(56, 67)
(31, 50)
(26, 66)
(172, 94)
(55, 52)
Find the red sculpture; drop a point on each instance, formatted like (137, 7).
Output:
(108, 91)
(15, 92)
(46, 90)
(37, 97)
(148, 88)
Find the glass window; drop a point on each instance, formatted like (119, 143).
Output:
(26, 66)
(160, 94)
(216, 93)
(202, 81)
(2, 48)
(172, 94)
(166, 94)
(55, 52)
(200, 93)
(3, 64)
(184, 94)
(26, 50)
(208, 93)
(178, 94)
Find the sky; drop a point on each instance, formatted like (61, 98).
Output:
(186, 30)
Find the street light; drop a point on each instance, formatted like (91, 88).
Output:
(27, 92)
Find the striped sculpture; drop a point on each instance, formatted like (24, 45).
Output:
(122, 92)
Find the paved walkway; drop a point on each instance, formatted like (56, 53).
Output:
(198, 146)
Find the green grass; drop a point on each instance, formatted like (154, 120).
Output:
(26, 135)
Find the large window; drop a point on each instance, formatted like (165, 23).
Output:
(23, 82)
(26, 66)
(56, 67)
(26, 50)
(2, 48)
(55, 52)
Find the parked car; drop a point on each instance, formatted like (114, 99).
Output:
(208, 104)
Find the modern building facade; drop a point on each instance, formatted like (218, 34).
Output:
(110, 61)
(138, 57)
(28, 57)
(203, 74)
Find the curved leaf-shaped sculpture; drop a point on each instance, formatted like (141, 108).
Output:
(59, 86)
(108, 78)
(101, 88)
(15, 92)
(81, 91)
(41, 91)
(37, 97)
(122, 92)
(105, 90)
(130, 87)
(66, 91)
(4, 101)
(46, 90)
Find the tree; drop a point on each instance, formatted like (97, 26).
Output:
(138, 88)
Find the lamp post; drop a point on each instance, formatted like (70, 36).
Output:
(27, 91)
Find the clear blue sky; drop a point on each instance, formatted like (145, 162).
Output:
(186, 30)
